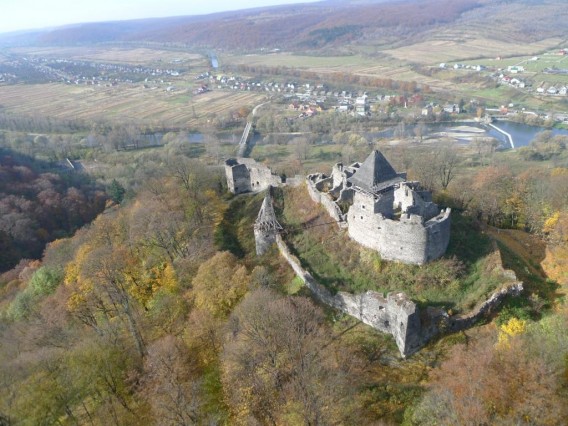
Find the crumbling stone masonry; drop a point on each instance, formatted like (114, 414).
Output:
(385, 212)
(246, 175)
(394, 314)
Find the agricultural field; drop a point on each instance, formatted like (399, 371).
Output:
(434, 51)
(352, 64)
(330, 63)
(122, 55)
(124, 102)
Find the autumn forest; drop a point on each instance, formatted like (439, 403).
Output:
(131, 292)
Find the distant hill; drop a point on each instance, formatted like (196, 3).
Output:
(324, 24)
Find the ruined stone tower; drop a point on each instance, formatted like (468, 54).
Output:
(266, 227)
(246, 175)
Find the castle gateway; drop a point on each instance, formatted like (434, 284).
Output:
(384, 211)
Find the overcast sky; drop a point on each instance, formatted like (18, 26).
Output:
(29, 14)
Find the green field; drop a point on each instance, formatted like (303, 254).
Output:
(300, 61)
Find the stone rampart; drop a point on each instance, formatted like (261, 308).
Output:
(485, 309)
(412, 201)
(263, 240)
(315, 195)
(438, 235)
(396, 314)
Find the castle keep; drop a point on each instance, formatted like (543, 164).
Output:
(384, 211)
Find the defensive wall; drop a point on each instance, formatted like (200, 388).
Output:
(409, 238)
(396, 314)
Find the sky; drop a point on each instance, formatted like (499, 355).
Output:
(30, 14)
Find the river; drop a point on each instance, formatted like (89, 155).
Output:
(522, 134)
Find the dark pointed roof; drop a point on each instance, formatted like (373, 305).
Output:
(375, 174)
(266, 219)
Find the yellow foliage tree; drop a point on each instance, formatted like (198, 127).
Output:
(219, 284)
(145, 285)
(550, 223)
(81, 286)
(559, 171)
(511, 328)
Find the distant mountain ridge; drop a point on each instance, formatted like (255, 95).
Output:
(307, 26)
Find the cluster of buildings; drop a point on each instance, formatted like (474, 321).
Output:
(444, 65)
(235, 82)
(552, 89)
(26, 69)
(309, 98)
(510, 76)
(435, 110)
(85, 72)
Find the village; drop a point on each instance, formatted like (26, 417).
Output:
(303, 97)
(525, 74)
(36, 69)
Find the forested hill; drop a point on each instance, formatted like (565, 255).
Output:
(39, 204)
(324, 24)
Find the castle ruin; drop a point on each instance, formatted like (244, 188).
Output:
(388, 210)
(384, 211)
(246, 175)
(266, 227)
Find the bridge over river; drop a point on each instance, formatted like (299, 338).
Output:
(245, 138)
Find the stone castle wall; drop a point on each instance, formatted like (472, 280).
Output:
(408, 239)
(326, 201)
(438, 235)
(396, 314)
(409, 200)
(263, 241)
(246, 175)
(486, 308)
(416, 232)
(238, 178)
